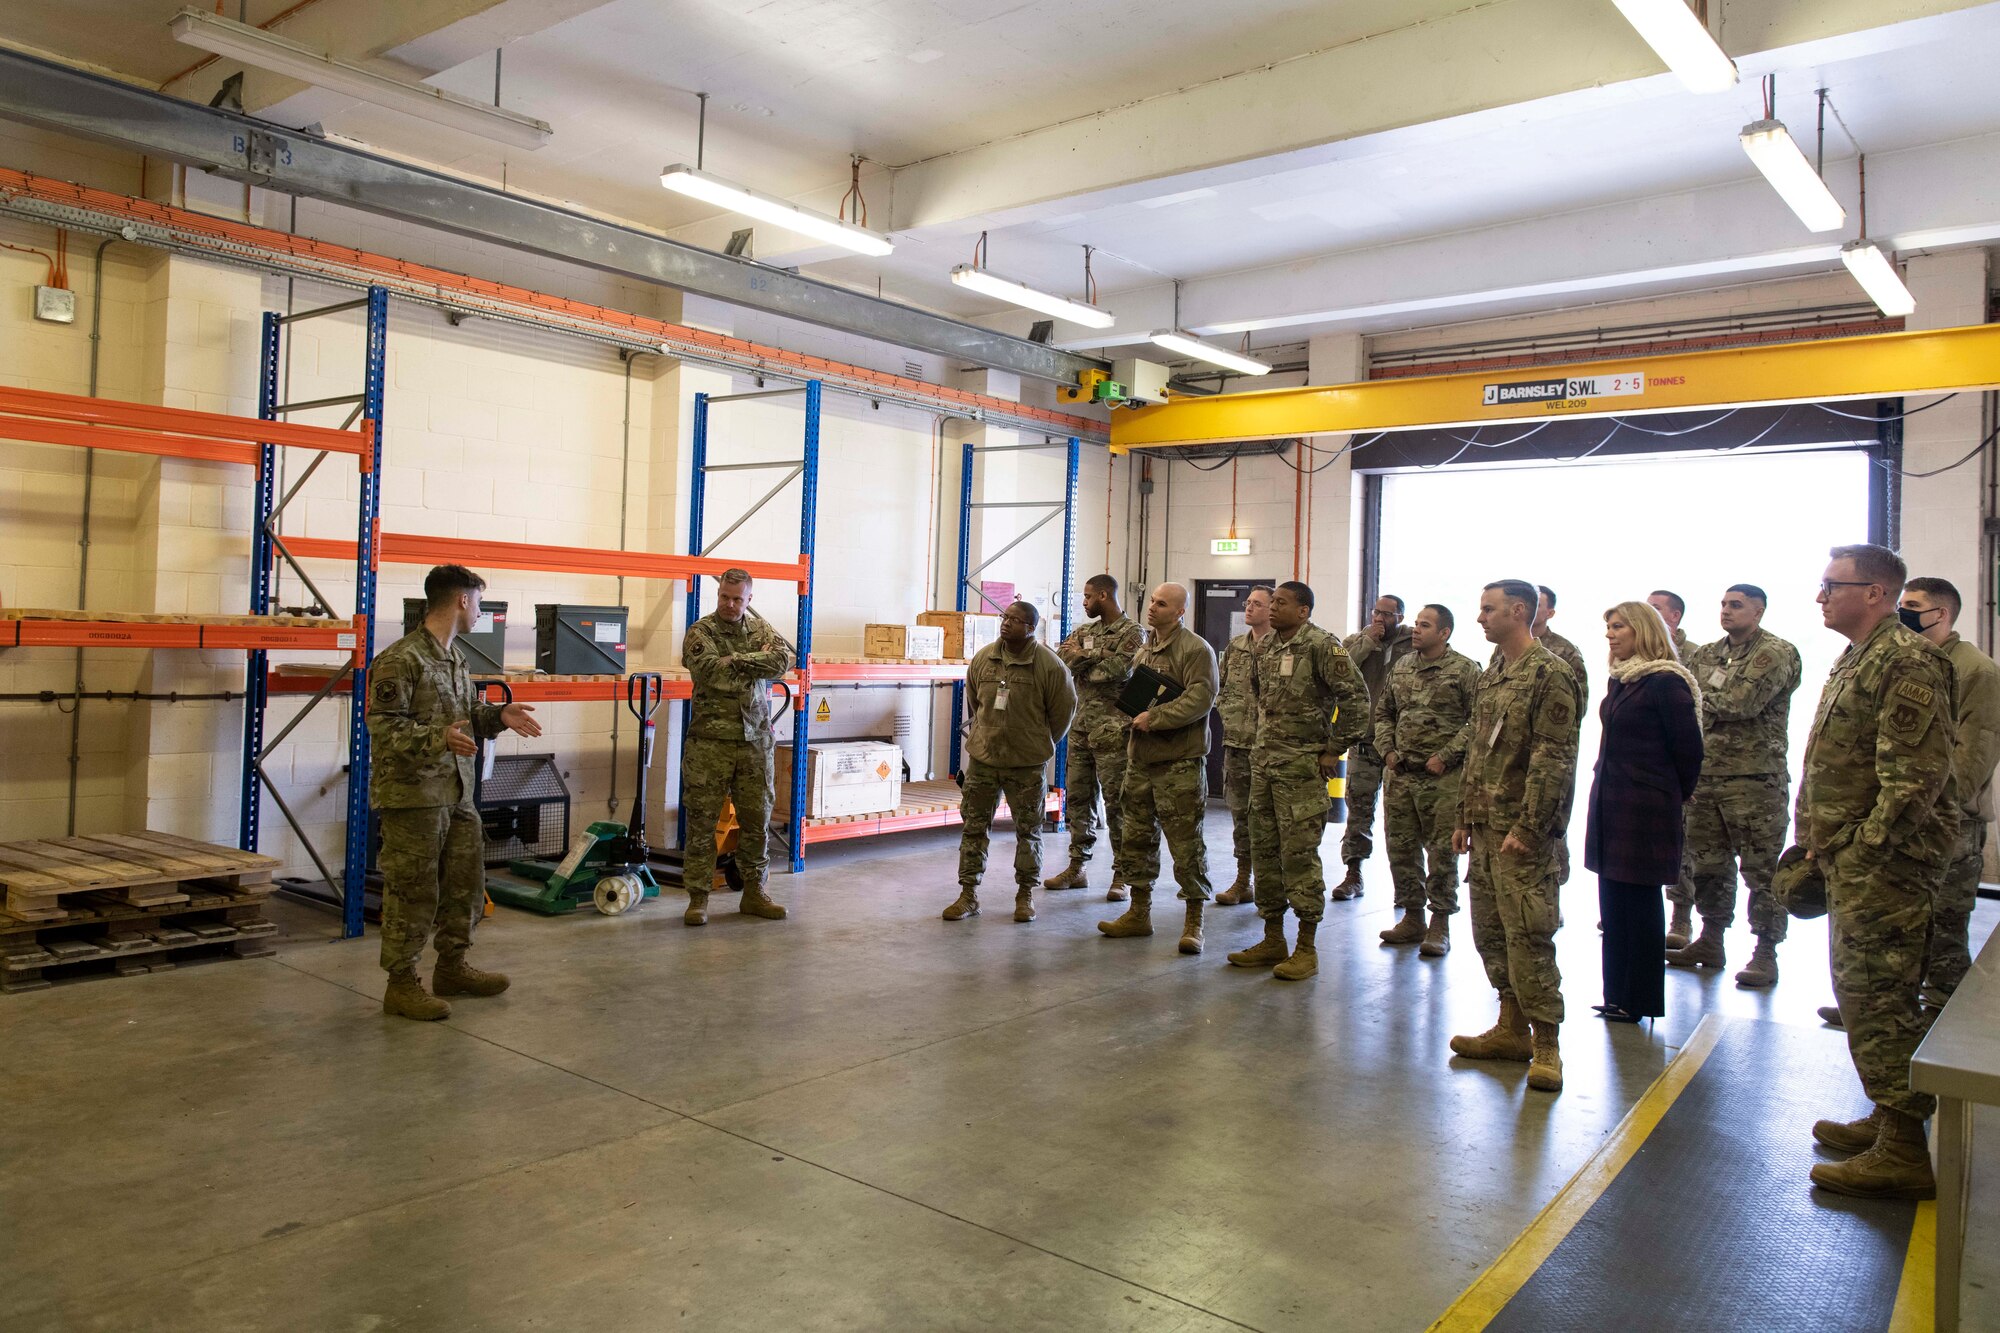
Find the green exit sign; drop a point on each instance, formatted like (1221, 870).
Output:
(1229, 546)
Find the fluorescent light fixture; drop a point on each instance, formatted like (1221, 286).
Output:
(281, 55)
(985, 281)
(1878, 277)
(1678, 38)
(684, 179)
(1771, 148)
(1188, 345)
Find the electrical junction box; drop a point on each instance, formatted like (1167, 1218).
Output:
(484, 649)
(1143, 381)
(57, 305)
(580, 640)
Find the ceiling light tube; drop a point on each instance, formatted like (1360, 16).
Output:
(1878, 277)
(280, 55)
(1772, 149)
(1174, 340)
(684, 179)
(1680, 39)
(983, 280)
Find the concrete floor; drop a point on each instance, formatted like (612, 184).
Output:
(860, 1118)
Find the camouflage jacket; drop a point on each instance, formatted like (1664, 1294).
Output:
(1018, 706)
(1375, 660)
(416, 689)
(1310, 699)
(1565, 652)
(1746, 704)
(1520, 747)
(1236, 700)
(1179, 727)
(1878, 763)
(1099, 657)
(732, 701)
(1422, 710)
(1976, 703)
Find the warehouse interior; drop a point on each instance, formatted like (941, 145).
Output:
(602, 297)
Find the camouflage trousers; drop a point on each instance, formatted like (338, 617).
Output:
(1288, 804)
(1419, 811)
(1879, 914)
(1236, 795)
(1515, 914)
(713, 771)
(1949, 955)
(1172, 796)
(1364, 787)
(1026, 789)
(1094, 770)
(433, 877)
(1732, 820)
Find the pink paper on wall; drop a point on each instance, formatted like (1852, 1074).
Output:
(994, 597)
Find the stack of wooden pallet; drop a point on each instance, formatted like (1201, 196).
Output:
(125, 904)
(135, 618)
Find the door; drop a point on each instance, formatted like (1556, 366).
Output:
(1218, 617)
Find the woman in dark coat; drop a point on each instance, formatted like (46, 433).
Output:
(1646, 769)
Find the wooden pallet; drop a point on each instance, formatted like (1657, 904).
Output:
(141, 618)
(154, 954)
(99, 933)
(143, 869)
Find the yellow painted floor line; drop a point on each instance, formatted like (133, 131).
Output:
(1916, 1293)
(1475, 1308)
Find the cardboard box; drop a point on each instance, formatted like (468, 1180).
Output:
(915, 643)
(965, 632)
(844, 778)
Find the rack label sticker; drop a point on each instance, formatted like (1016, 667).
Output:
(608, 631)
(1618, 384)
(343, 640)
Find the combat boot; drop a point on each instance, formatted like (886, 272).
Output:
(697, 912)
(1071, 878)
(965, 905)
(1706, 951)
(1829, 1014)
(406, 998)
(1898, 1166)
(1437, 940)
(1138, 918)
(1118, 892)
(1850, 1136)
(1349, 887)
(1239, 892)
(1304, 961)
(1508, 1039)
(454, 976)
(1545, 1071)
(1407, 931)
(1270, 951)
(758, 903)
(1761, 972)
(1024, 904)
(1681, 928)
(1191, 929)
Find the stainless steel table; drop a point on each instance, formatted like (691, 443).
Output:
(1959, 1063)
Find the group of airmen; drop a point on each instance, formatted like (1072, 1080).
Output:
(1466, 761)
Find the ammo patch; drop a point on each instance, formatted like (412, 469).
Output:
(1917, 694)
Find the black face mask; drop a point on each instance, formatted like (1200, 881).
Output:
(1912, 620)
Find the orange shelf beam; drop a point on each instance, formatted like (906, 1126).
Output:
(886, 673)
(599, 691)
(106, 423)
(893, 823)
(406, 549)
(132, 634)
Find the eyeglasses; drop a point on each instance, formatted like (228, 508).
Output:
(1826, 586)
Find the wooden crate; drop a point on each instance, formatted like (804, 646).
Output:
(141, 869)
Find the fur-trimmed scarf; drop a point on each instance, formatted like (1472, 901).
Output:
(1632, 668)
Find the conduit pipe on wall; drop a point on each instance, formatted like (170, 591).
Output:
(83, 529)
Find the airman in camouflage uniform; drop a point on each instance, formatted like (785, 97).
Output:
(1020, 702)
(1520, 773)
(1166, 783)
(1420, 716)
(423, 718)
(1570, 656)
(1311, 706)
(1375, 650)
(1238, 706)
(1931, 607)
(1742, 800)
(733, 654)
(1099, 656)
(1877, 812)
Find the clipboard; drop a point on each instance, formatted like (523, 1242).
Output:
(1146, 688)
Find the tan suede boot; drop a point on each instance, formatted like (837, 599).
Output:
(1071, 878)
(1898, 1166)
(1239, 892)
(1191, 930)
(1024, 904)
(1437, 939)
(1706, 951)
(406, 998)
(1761, 972)
(1508, 1039)
(1349, 887)
(1118, 892)
(697, 911)
(1545, 1071)
(758, 903)
(965, 905)
(1137, 920)
(1269, 952)
(454, 976)
(1829, 1014)
(1850, 1135)
(1304, 961)
(1681, 929)
(1407, 931)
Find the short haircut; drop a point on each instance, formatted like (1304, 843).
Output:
(1104, 583)
(1673, 599)
(1300, 592)
(1516, 590)
(1264, 588)
(1651, 641)
(445, 582)
(1028, 612)
(1443, 614)
(1397, 600)
(1940, 591)
(732, 576)
(1749, 590)
(1548, 592)
(1875, 564)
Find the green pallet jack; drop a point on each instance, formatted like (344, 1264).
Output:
(607, 864)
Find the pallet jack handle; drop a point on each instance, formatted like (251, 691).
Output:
(643, 691)
(479, 689)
